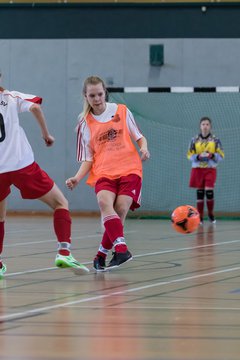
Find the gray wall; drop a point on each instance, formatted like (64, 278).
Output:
(55, 70)
(122, 62)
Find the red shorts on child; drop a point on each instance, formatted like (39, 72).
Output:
(201, 178)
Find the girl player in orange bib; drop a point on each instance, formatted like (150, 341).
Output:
(18, 168)
(105, 148)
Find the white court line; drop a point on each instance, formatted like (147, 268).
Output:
(182, 308)
(188, 248)
(51, 240)
(37, 229)
(38, 311)
(135, 256)
(31, 271)
(46, 241)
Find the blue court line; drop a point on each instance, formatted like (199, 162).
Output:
(236, 291)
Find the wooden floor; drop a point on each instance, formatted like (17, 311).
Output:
(179, 299)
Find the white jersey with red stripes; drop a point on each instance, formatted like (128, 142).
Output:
(84, 151)
(15, 150)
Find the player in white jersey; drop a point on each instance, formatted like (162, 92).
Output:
(18, 168)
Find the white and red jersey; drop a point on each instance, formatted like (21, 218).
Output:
(15, 150)
(84, 150)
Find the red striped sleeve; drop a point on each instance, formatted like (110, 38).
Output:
(35, 100)
(80, 147)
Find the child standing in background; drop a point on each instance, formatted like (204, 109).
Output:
(205, 152)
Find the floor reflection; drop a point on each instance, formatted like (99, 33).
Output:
(115, 328)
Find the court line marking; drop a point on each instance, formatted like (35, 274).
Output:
(135, 256)
(55, 240)
(10, 229)
(38, 311)
(188, 248)
(159, 308)
(32, 271)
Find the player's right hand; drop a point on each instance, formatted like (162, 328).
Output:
(49, 140)
(71, 183)
(205, 156)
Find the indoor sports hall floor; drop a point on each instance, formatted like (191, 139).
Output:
(178, 299)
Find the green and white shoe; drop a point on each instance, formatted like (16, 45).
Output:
(62, 261)
(3, 269)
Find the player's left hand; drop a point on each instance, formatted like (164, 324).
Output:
(205, 156)
(145, 154)
(210, 156)
(49, 140)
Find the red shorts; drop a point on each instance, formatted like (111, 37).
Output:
(32, 182)
(201, 178)
(130, 185)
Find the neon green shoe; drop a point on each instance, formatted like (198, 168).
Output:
(3, 270)
(62, 261)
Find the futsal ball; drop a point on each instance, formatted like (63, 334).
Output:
(185, 219)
